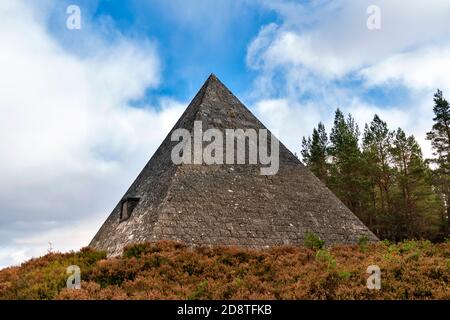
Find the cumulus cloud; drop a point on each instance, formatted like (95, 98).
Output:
(71, 141)
(320, 55)
(288, 120)
(422, 69)
(331, 37)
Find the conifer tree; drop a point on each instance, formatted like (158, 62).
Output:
(440, 141)
(387, 183)
(416, 209)
(314, 152)
(346, 178)
(377, 141)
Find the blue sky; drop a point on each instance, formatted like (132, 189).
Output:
(211, 38)
(82, 111)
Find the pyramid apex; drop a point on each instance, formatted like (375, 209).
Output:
(212, 78)
(213, 84)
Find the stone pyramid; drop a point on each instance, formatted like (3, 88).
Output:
(225, 204)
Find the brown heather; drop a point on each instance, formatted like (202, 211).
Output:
(170, 270)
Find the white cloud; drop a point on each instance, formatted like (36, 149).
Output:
(331, 37)
(320, 52)
(290, 120)
(71, 143)
(57, 238)
(422, 69)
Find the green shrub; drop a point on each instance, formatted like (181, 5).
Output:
(325, 257)
(414, 256)
(407, 246)
(135, 250)
(345, 275)
(200, 292)
(363, 242)
(90, 256)
(313, 241)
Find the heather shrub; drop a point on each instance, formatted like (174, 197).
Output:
(90, 256)
(135, 250)
(169, 270)
(200, 292)
(114, 271)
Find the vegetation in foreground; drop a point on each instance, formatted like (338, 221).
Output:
(169, 270)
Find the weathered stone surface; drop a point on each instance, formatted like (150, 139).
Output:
(227, 204)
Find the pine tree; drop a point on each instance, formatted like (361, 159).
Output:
(387, 184)
(416, 207)
(314, 152)
(346, 171)
(377, 141)
(440, 141)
